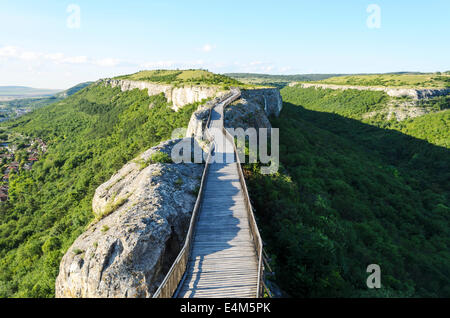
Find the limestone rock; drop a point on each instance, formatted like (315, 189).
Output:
(416, 94)
(128, 252)
(246, 113)
(269, 98)
(253, 108)
(178, 96)
(199, 119)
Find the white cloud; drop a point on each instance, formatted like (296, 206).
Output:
(57, 57)
(75, 60)
(285, 69)
(29, 56)
(17, 53)
(14, 52)
(255, 67)
(256, 63)
(108, 62)
(8, 51)
(198, 63)
(172, 64)
(158, 64)
(208, 48)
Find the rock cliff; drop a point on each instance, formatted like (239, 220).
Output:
(400, 110)
(199, 118)
(268, 98)
(178, 96)
(143, 214)
(253, 109)
(391, 91)
(198, 121)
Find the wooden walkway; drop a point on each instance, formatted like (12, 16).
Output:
(223, 261)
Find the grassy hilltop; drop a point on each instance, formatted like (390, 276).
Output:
(432, 80)
(183, 77)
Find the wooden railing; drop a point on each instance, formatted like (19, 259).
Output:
(175, 274)
(251, 218)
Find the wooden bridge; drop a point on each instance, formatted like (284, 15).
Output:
(222, 255)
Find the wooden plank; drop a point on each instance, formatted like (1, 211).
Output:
(223, 261)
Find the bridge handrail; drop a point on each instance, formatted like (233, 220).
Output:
(176, 272)
(251, 217)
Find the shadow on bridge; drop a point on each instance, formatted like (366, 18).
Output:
(218, 230)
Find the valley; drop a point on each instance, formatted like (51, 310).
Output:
(286, 155)
(16, 101)
(355, 185)
(351, 190)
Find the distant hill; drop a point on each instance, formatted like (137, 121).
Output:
(298, 77)
(409, 80)
(73, 90)
(277, 80)
(182, 77)
(16, 105)
(23, 91)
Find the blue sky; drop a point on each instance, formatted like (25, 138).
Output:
(41, 45)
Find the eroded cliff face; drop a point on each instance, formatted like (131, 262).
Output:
(144, 211)
(400, 110)
(178, 96)
(268, 98)
(391, 91)
(198, 121)
(128, 252)
(253, 109)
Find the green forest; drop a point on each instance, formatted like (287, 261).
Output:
(414, 80)
(433, 127)
(349, 194)
(182, 77)
(90, 135)
(350, 191)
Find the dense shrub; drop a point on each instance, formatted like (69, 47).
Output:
(90, 136)
(348, 195)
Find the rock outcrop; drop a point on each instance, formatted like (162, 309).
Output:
(268, 98)
(178, 96)
(400, 110)
(253, 109)
(143, 215)
(416, 94)
(199, 119)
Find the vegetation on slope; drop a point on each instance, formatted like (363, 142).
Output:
(73, 90)
(182, 77)
(20, 106)
(349, 103)
(349, 195)
(432, 80)
(279, 81)
(90, 135)
(433, 127)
